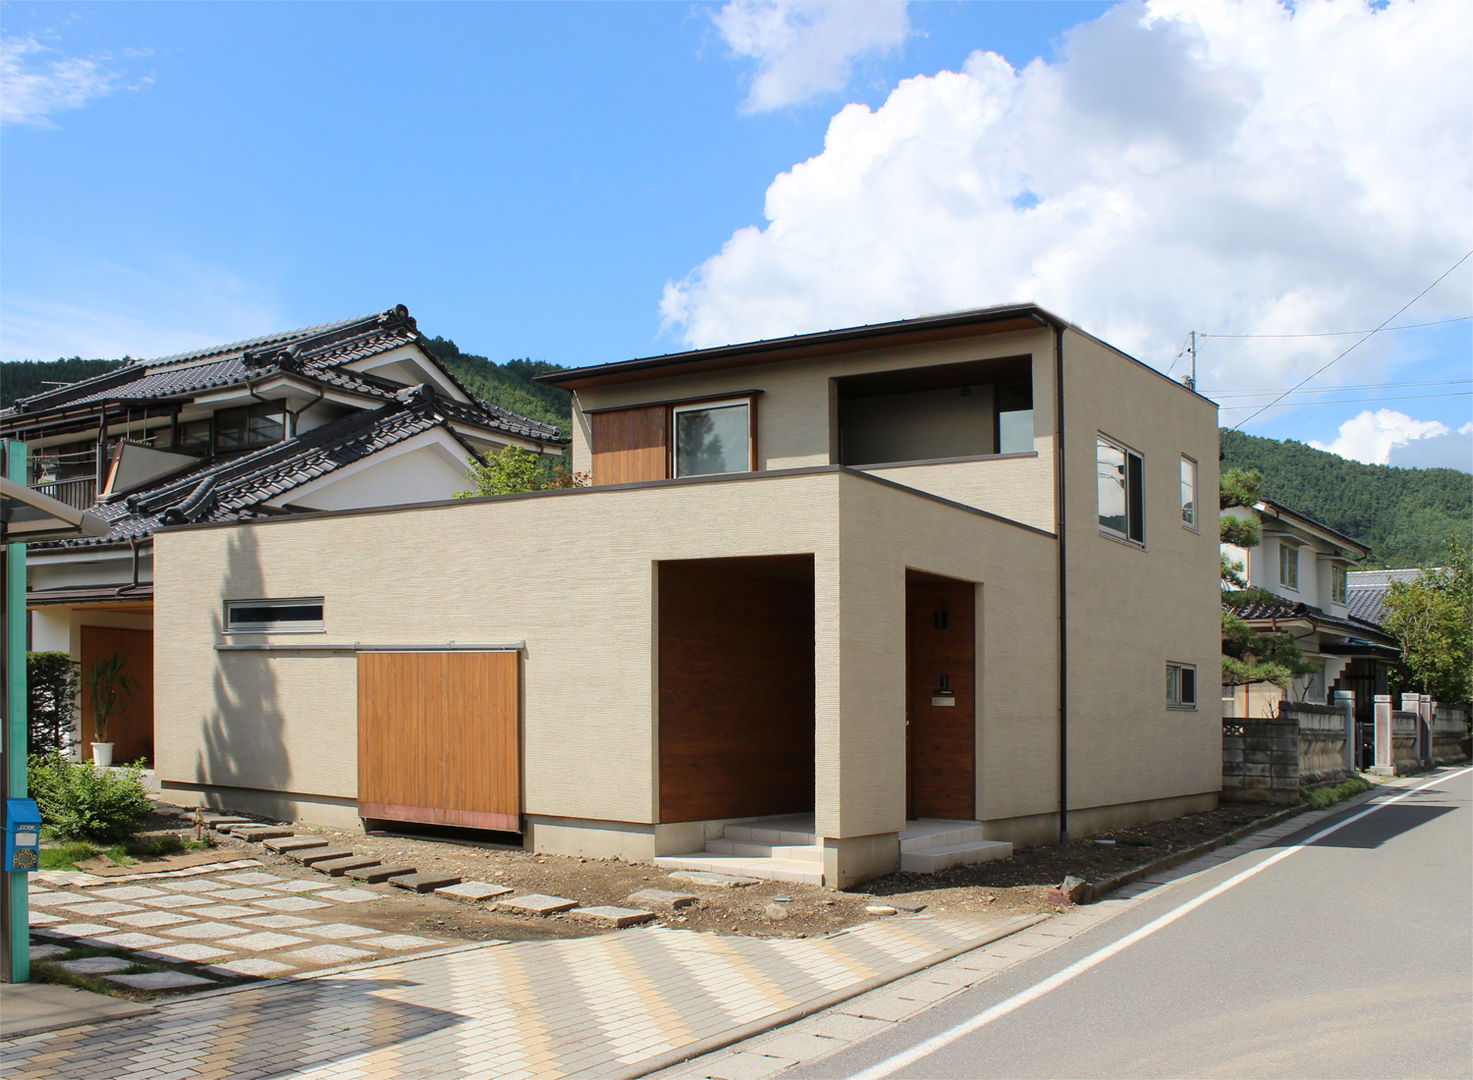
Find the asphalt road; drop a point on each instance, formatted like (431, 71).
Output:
(1349, 955)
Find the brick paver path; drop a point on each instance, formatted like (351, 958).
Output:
(612, 1005)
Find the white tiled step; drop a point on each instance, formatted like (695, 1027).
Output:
(762, 834)
(940, 858)
(803, 872)
(927, 840)
(746, 849)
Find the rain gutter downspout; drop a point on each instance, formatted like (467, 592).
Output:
(1062, 532)
(132, 543)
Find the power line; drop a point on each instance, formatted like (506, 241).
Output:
(1343, 388)
(1338, 401)
(1341, 333)
(1353, 346)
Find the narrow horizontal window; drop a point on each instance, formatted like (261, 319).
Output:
(1181, 686)
(295, 616)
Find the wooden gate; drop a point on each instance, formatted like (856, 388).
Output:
(438, 738)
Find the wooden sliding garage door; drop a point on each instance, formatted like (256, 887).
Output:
(438, 739)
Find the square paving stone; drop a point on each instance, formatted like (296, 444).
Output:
(160, 980)
(188, 950)
(125, 892)
(47, 952)
(300, 885)
(41, 918)
(327, 954)
(537, 904)
(473, 890)
(131, 940)
(178, 900)
(398, 941)
(50, 899)
(263, 941)
(235, 893)
(222, 911)
(249, 877)
(80, 929)
(609, 915)
(280, 922)
(338, 930)
(189, 885)
(206, 930)
(101, 909)
(151, 918)
(289, 903)
(348, 895)
(253, 965)
(95, 965)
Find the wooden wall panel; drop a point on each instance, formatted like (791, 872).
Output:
(131, 733)
(438, 738)
(631, 445)
(941, 741)
(736, 717)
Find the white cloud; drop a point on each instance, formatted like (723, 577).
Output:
(804, 48)
(1235, 167)
(36, 82)
(1388, 437)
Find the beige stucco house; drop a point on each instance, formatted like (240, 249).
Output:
(899, 594)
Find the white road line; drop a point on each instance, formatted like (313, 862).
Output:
(900, 1061)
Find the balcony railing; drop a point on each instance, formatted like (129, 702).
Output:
(80, 492)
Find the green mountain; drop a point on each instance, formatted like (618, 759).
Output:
(1404, 515)
(509, 385)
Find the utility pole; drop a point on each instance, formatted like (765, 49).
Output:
(1191, 380)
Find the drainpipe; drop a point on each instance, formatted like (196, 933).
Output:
(1059, 492)
(121, 589)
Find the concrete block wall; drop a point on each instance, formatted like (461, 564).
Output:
(1260, 759)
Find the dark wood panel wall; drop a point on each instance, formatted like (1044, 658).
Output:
(736, 687)
(438, 738)
(941, 740)
(131, 729)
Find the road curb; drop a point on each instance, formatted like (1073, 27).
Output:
(694, 1050)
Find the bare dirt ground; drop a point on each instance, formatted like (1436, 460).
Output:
(1013, 886)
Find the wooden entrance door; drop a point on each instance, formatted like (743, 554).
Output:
(438, 738)
(130, 730)
(941, 727)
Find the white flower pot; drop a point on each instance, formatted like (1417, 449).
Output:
(102, 755)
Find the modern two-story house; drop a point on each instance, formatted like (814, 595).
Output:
(344, 415)
(1306, 565)
(899, 594)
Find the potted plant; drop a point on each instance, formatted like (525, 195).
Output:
(110, 689)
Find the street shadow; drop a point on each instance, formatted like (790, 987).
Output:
(1373, 831)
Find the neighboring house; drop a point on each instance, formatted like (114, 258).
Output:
(341, 416)
(892, 595)
(1368, 589)
(1306, 564)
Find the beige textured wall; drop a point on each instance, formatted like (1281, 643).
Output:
(796, 411)
(1018, 488)
(571, 573)
(1132, 610)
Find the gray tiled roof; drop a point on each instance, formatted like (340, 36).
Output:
(1287, 609)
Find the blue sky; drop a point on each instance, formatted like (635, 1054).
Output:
(590, 182)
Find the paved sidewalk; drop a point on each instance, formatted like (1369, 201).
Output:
(619, 1004)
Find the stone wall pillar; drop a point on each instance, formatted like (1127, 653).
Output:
(1345, 700)
(1412, 703)
(1383, 753)
(1427, 710)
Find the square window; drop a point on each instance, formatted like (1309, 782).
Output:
(713, 438)
(1119, 473)
(1289, 566)
(1181, 686)
(1188, 492)
(302, 615)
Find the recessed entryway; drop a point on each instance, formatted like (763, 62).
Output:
(940, 677)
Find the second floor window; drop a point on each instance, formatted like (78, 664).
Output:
(1188, 492)
(1289, 566)
(711, 438)
(248, 428)
(1339, 585)
(1120, 473)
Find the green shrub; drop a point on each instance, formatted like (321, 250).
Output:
(51, 701)
(79, 802)
(1321, 797)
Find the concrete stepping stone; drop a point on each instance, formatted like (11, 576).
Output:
(49, 899)
(473, 890)
(202, 930)
(722, 881)
(147, 919)
(80, 929)
(125, 892)
(285, 845)
(255, 834)
(263, 941)
(221, 911)
(160, 980)
(177, 900)
(424, 882)
(40, 918)
(100, 908)
(609, 915)
(314, 855)
(256, 967)
(187, 885)
(662, 899)
(348, 895)
(280, 922)
(40, 953)
(398, 941)
(250, 877)
(338, 930)
(537, 904)
(375, 874)
(95, 965)
(131, 940)
(339, 867)
(188, 950)
(289, 903)
(217, 820)
(237, 892)
(327, 954)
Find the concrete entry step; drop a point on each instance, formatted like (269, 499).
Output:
(800, 871)
(930, 860)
